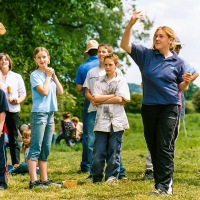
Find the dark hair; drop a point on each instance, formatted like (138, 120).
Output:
(8, 58)
(92, 52)
(37, 50)
(66, 115)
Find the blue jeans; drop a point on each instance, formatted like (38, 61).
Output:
(85, 165)
(91, 137)
(41, 135)
(107, 148)
(91, 134)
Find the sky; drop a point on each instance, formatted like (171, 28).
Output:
(183, 17)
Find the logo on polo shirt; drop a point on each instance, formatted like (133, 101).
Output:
(172, 67)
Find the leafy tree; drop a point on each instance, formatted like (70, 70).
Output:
(196, 100)
(134, 106)
(62, 27)
(191, 91)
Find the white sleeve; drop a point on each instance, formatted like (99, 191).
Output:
(123, 90)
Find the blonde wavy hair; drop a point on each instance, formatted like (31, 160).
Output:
(170, 33)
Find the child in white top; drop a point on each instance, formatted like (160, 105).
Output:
(110, 94)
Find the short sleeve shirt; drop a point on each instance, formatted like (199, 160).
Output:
(111, 114)
(160, 76)
(91, 77)
(42, 103)
(83, 69)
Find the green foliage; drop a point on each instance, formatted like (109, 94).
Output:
(62, 27)
(191, 91)
(196, 100)
(189, 107)
(134, 106)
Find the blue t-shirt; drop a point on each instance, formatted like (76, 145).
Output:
(42, 103)
(160, 75)
(83, 69)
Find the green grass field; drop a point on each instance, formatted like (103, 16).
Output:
(64, 162)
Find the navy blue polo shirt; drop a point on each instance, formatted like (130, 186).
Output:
(160, 75)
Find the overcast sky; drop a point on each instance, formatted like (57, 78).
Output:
(183, 16)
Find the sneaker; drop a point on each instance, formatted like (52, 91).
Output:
(148, 175)
(36, 184)
(49, 182)
(89, 178)
(3, 186)
(160, 192)
(111, 181)
(122, 177)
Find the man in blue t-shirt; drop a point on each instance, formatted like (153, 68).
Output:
(93, 61)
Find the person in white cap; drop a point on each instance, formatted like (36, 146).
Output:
(92, 61)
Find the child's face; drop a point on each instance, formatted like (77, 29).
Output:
(42, 59)
(102, 52)
(109, 66)
(26, 140)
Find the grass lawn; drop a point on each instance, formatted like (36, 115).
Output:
(64, 162)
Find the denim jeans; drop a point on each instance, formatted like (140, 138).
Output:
(107, 148)
(65, 137)
(41, 135)
(91, 137)
(91, 134)
(85, 165)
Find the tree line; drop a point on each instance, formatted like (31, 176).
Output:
(63, 27)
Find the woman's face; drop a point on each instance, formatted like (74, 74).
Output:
(161, 40)
(102, 52)
(4, 64)
(42, 59)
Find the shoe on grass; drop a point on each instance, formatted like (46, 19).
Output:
(3, 186)
(35, 184)
(148, 175)
(49, 182)
(89, 178)
(122, 177)
(111, 181)
(158, 192)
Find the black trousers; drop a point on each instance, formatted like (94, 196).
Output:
(3, 160)
(12, 124)
(160, 122)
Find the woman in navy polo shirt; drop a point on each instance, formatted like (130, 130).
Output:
(163, 76)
